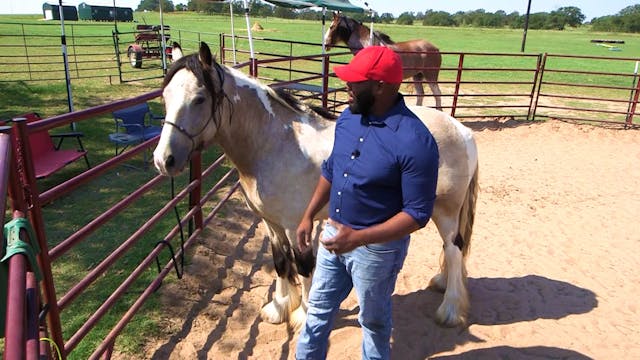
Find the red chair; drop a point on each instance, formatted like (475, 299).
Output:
(47, 157)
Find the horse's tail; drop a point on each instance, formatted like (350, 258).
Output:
(467, 214)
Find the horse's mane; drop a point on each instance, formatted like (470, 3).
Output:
(383, 37)
(298, 105)
(201, 72)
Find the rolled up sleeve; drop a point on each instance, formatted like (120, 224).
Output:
(419, 181)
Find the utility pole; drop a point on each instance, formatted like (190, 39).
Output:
(526, 26)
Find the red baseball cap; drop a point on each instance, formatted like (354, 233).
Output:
(372, 63)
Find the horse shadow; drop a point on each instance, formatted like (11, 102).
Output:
(494, 301)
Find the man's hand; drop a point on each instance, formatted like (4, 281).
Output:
(303, 234)
(344, 241)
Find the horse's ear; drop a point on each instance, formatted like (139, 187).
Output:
(336, 15)
(205, 54)
(176, 51)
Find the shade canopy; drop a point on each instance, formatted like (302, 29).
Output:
(341, 5)
(295, 4)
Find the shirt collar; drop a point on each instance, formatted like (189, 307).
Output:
(391, 118)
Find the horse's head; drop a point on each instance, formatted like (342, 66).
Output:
(340, 30)
(193, 93)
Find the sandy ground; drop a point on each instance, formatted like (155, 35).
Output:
(551, 269)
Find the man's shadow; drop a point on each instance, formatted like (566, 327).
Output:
(494, 301)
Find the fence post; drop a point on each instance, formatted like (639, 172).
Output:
(222, 48)
(195, 174)
(533, 88)
(325, 80)
(30, 195)
(457, 87)
(116, 47)
(537, 97)
(634, 105)
(26, 51)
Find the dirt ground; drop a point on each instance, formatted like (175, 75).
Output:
(551, 268)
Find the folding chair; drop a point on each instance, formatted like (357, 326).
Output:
(47, 157)
(132, 126)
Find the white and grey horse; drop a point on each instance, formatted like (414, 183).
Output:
(278, 147)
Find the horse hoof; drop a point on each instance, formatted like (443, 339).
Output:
(447, 316)
(439, 283)
(298, 318)
(274, 312)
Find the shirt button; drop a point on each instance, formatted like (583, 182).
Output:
(353, 157)
(339, 193)
(337, 210)
(345, 175)
(361, 139)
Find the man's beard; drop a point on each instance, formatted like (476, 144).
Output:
(362, 103)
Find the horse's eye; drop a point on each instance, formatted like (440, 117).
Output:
(199, 100)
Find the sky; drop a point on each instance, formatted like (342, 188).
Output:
(590, 8)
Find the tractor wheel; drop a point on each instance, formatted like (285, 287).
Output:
(135, 57)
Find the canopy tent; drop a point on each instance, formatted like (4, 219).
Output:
(339, 5)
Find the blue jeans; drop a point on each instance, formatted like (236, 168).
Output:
(372, 270)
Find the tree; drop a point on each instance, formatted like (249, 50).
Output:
(386, 18)
(406, 18)
(438, 18)
(154, 5)
(571, 15)
(285, 13)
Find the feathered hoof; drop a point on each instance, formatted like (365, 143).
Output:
(439, 283)
(448, 316)
(275, 312)
(298, 318)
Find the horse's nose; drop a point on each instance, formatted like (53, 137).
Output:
(169, 162)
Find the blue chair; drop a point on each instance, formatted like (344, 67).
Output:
(133, 126)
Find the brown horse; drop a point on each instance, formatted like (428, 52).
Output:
(421, 59)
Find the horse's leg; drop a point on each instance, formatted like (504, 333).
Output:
(452, 276)
(454, 216)
(417, 84)
(286, 297)
(435, 90)
(305, 263)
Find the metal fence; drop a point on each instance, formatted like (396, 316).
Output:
(525, 86)
(33, 52)
(26, 199)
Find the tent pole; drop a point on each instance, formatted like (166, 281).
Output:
(371, 27)
(164, 42)
(246, 16)
(233, 35)
(63, 40)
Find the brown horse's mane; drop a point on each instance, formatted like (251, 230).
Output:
(384, 37)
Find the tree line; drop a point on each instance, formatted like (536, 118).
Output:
(626, 20)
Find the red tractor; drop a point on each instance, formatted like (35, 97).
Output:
(148, 44)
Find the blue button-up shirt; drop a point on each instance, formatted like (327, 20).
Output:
(381, 166)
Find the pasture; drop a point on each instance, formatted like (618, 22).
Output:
(49, 98)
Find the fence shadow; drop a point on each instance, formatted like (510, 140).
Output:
(497, 124)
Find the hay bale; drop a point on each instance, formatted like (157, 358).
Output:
(257, 27)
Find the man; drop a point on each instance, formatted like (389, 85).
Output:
(380, 183)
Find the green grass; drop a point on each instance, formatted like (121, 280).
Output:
(66, 215)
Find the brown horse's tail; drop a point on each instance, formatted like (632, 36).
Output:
(467, 215)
